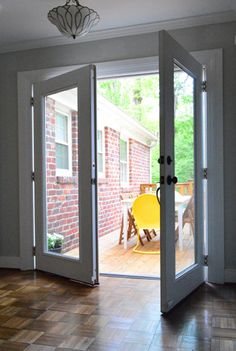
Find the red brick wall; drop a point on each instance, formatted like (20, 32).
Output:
(139, 169)
(109, 211)
(62, 192)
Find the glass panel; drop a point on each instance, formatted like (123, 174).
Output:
(61, 128)
(100, 151)
(62, 156)
(99, 141)
(123, 150)
(184, 169)
(62, 193)
(123, 172)
(100, 162)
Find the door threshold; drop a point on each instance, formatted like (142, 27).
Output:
(130, 276)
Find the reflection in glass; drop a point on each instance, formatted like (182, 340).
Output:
(62, 173)
(184, 169)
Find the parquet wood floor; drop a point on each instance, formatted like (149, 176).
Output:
(42, 312)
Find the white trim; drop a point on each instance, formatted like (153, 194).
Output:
(122, 68)
(102, 175)
(219, 17)
(213, 59)
(10, 262)
(26, 203)
(230, 275)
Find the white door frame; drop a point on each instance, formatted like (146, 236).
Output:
(213, 61)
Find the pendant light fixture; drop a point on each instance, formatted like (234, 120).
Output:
(73, 19)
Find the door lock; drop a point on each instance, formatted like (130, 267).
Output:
(170, 180)
(169, 160)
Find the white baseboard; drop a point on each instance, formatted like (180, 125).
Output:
(10, 262)
(230, 275)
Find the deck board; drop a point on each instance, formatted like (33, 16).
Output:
(113, 258)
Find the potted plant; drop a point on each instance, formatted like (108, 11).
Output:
(55, 242)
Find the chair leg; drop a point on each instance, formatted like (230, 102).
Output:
(147, 233)
(129, 231)
(140, 239)
(154, 232)
(121, 230)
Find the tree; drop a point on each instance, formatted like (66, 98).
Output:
(139, 98)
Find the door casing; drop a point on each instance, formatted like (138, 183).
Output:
(213, 61)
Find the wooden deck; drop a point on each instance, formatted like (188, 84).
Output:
(113, 258)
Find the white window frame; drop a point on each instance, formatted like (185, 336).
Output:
(126, 139)
(102, 174)
(60, 109)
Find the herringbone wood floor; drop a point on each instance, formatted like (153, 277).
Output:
(42, 312)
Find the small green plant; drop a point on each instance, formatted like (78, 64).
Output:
(55, 241)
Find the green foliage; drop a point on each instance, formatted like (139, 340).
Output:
(55, 240)
(184, 149)
(139, 98)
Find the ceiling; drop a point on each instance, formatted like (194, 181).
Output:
(24, 23)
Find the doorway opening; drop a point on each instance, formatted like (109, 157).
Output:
(128, 155)
(128, 159)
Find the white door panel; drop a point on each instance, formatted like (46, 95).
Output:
(65, 174)
(180, 77)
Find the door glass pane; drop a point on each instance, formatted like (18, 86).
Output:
(62, 156)
(62, 174)
(123, 150)
(62, 122)
(184, 169)
(100, 151)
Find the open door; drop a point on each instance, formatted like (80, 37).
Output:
(179, 71)
(65, 175)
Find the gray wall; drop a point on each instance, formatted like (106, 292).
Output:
(198, 38)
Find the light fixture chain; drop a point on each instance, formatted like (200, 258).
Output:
(74, 1)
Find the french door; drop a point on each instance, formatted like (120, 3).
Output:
(65, 175)
(179, 130)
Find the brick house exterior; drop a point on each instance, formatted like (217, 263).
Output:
(62, 191)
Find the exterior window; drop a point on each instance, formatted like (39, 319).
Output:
(63, 144)
(100, 152)
(123, 162)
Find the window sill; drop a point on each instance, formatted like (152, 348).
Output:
(66, 180)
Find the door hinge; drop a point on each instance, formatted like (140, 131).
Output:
(205, 173)
(33, 176)
(161, 160)
(204, 86)
(31, 101)
(34, 251)
(93, 181)
(205, 260)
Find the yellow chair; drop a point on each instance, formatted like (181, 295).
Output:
(146, 213)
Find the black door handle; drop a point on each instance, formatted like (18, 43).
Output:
(157, 195)
(169, 160)
(170, 180)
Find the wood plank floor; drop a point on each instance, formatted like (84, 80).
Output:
(113, 258)
(42, 312)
